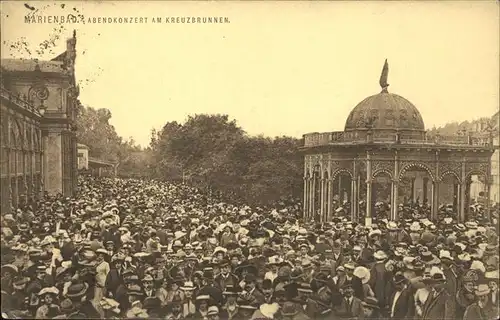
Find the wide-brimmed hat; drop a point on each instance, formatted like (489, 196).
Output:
(77, 290)
(445, 254)
(380, 255)
(289, 309)
(49, 290)
(204, 297)
(429, 258)
(435, 278)
(135, 290)
(482, 290)
(399, 278)
(362, 273)
(212, 310)
(392, 226)
(188, 286)
(9, 268)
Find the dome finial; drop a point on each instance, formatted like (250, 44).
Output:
(383, 77)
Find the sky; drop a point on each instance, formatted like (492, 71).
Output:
(278, 68)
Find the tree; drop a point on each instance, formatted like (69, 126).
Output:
(214, 152)
(95, 131)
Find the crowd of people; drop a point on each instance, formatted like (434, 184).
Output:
(137, 249)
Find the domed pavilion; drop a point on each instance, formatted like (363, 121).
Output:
(385, 155)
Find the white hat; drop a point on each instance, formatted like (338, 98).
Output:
(52, 290)
(213, 310)
(415, 226)
(477, 265)
(445, 254)
(380, 255)
(188, 286)
(374, 232)
(362, 273)
(435, 270)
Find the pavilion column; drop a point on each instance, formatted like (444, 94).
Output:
(394, 197)
(435, 197)
(395, 189)
(354, 200)
(329, 199)
(322, 200)
(311, 197)
(368, 218)
(413, 198)
(341, 194)
(461, 202)
(304, 213)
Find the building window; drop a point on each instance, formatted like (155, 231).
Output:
(80, 155)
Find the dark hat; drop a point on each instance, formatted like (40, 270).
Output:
(399, 278)
(151, 303)
(77, 290)
(135, 290)
(19, 281)
(250, 278)
(435, 278)
(230, 290)
(289, 309)
(224, 263)
(370, 302)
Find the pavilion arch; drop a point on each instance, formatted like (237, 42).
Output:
(341, 171)
(418, 166)
(475, 173)
(450, 173)
(382, 171)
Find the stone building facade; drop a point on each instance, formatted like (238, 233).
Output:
(38, 114)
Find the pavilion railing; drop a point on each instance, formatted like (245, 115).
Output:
(21, 101)
(353, 137)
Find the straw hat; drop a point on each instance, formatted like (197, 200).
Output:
(482, 290)
(380, 255)
(362, 273)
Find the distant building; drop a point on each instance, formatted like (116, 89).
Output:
(83, 157)
(38, 131)
(482, 127)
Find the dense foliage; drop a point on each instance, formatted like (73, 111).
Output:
(212, 152)
(95, 131)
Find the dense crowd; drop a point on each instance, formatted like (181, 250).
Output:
(148, 249)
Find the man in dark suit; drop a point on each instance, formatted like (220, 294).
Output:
(350, 307)
(402, 302)
(439, 305)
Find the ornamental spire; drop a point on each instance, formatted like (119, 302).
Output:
(383, 77)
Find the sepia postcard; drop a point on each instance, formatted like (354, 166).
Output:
(250, 159)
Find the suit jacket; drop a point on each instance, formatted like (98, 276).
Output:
(67, 250)
(451, 281)
(475, 312)
(222, 282)
(439, 306)
(405, 305)
(381, 283)
(354, 311)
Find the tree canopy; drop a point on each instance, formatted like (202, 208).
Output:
(212, 152)
(96, 132)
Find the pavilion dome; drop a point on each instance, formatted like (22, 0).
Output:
(385, 112)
